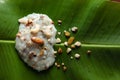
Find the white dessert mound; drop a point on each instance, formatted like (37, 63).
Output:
(35, 40)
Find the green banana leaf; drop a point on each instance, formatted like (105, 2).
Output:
(98, 22)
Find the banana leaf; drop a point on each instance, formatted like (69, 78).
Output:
(98, 23)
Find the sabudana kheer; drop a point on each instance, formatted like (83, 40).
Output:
(35, 40)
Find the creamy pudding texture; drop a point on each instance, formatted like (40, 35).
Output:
(35, 40)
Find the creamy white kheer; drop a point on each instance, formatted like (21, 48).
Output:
(35, 40)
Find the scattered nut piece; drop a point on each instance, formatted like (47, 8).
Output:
(74, 29)
(37, 40)
(72, 46)
(44, 57)
(42, 17)
(52, 22)
(64, 68)
(77, 56)
(35, 30)
(77, 43)
(67, 34)
(64, 31)
(45, 48)
(29, 43)
(89, 52)
(55, 52)
(70, 40)
(59, 33)
(62, 64)
(23, 38)
(59, 22)
(49, 40)
(31, 54)
(68, 50)
(23, 20)
(65, 43)
(29, 22)
(48, 35)
(56, 63)
(34, 65)
(71, 57)
(58, 40)
(18, 34)
(60, 51)
(41, 52)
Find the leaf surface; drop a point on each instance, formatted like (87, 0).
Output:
(98, 22)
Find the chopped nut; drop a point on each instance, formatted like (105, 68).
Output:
(68, 50)
(62, 64)
(67, 34)
(72, 46)
(64, 31)
(48, 35)
(23, 38)
(49, 40)
(77, 56)
(56, 63)
(41, 53)
(41, 17)
(45, 48)
(37, 40)
(51, 28)
(55, 52)
(34, 65)
(60, 51)
(59, 22)
(35, 30)
(52, 22)
(64, 68)
(31, 54)
(78, 44)
(70, 40)
(23, 20)
(89, 52)
(18, 34)
(74, 29)
(44, 57)
(29, 22)
(29, 43)
(59, 33)
(65, 43)
(71, 57)
(58, 40)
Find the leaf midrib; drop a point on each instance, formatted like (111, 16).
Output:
(84, 45)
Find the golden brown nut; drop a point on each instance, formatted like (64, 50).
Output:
(37, 40)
